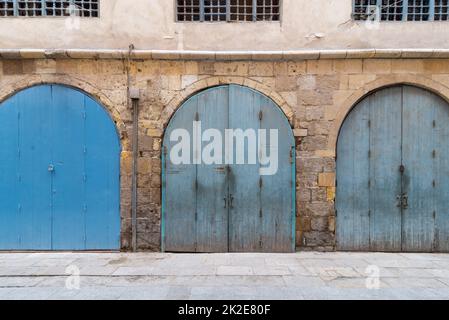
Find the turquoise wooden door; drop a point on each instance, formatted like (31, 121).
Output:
(59, 170)
(228, 205)
(392, 178)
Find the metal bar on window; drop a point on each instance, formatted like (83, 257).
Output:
(431, 10)
(201, 10)
(228, 10)
(254, 3)
(16, 8)
(404, 10)
(43, 11)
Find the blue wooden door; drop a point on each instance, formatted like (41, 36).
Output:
(425, 180)
(392, 175)
(195, 193)
(229, 205)
(59, 186)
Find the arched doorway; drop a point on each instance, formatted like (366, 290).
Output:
(59, 172)
(228, 174)
(393, 173)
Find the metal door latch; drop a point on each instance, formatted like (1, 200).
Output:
(51, 168)
(402, 201)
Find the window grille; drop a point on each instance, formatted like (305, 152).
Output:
(52, 8)
(401, 10)
(227, 10)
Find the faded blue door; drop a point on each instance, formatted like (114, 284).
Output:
(228, 205)
(59, 170)
(392, 175)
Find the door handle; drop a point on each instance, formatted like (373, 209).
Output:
(225, 202)
(231, 202)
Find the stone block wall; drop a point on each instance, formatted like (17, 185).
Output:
(315, 96)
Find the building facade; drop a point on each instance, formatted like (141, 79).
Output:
(364, 101)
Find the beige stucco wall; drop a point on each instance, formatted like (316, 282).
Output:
(150, 24)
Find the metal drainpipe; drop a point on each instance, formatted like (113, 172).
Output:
(135, 95)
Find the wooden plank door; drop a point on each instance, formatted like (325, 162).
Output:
(277, 184)
(353, 192)
(68, 184)
(368, 174)
(102, 178)
(426, 171)
(196, 194)
(384, 169)
(441, 176)
(212, 177)
(262, 203)
(180, 184)
(244, 180)
(26, 191)
(60, 183)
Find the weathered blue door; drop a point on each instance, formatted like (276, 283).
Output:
(59, 172)
(224, 200)
(392, 175)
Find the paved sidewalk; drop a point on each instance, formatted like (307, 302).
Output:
(306, 275)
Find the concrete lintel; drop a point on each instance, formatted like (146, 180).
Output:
(292, 55)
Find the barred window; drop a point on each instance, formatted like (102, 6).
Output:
(51, 8)
(227, 10)
(401, 10)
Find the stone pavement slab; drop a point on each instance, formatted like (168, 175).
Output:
(303, 275)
